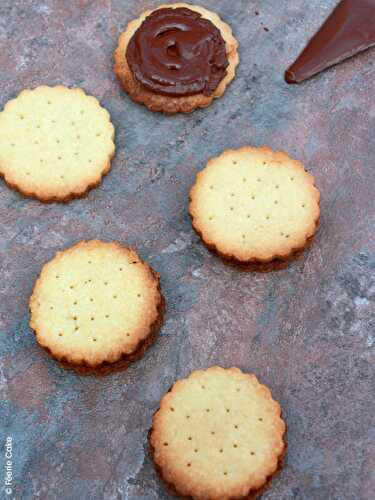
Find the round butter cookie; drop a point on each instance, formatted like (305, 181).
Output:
(56, 143)
(255, 205)
(96, 307)
(176, 58)
(218, 435)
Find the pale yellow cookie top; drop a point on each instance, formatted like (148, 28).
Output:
(55, 142)
(218, 434)
(94, 302)
(255, 204)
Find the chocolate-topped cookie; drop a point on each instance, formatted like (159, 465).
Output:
(176, 58)
(176, 52)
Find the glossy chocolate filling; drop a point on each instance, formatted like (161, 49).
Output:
(175, 52)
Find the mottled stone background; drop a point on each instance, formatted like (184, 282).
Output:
(308, 331)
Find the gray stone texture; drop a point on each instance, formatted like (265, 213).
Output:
(307, 331)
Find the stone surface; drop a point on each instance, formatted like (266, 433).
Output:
(307, 331)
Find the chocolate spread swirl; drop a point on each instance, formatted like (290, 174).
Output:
(176, 52)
